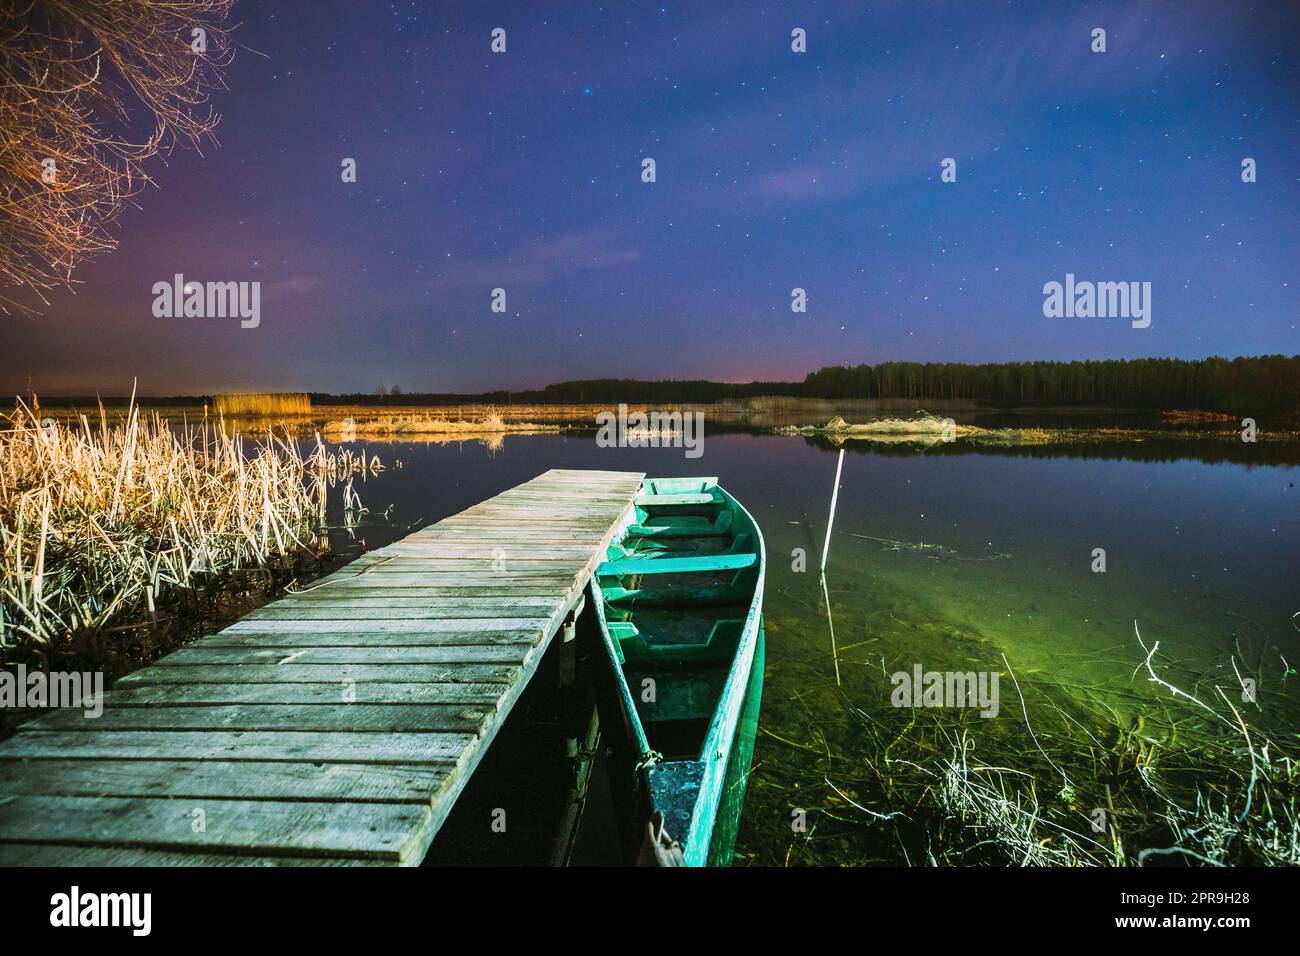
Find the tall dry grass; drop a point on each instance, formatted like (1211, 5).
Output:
(263, 404)
(102, 523)
(401, 426)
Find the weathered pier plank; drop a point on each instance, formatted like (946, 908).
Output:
(336, 725)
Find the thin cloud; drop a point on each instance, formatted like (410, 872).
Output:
(567, 254)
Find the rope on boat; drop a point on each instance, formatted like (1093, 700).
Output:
(648, 759)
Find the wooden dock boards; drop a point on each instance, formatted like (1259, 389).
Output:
(336, 725)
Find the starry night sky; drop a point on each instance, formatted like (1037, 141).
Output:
(775, 170)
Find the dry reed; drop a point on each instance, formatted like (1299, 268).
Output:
(263, 404)
(395, 426)
(101, 524)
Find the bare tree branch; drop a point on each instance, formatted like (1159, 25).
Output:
(73, 139)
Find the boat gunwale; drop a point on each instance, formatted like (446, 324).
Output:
(726, 715)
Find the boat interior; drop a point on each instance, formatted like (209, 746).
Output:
(676, 589)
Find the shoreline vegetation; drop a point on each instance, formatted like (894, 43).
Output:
(261, 404)
(768, 412)
(120, 536)
(403, 425)
(1249, 385)
(881, 424)
(928, 429)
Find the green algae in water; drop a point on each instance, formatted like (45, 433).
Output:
(1098, 765)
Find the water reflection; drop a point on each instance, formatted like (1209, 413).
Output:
(1209, 451)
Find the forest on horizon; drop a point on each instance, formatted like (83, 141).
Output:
(1257, 383)
(1265, 383)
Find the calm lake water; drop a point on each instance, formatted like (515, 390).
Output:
(950, 558)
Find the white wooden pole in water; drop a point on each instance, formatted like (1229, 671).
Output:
(830, 623)
(835, 495)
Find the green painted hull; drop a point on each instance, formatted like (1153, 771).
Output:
(736, 782)
(679, 600)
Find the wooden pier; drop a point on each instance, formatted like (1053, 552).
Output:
(336, 725)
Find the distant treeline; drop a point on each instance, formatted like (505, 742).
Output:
(1260, 383)
(1266, 382)
(1256, 384)
(582, 391)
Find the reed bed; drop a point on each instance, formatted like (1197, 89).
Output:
(581, 415)
(921, 427)
(262, 404)
(397, 426)
(103, 525)
(927, 430)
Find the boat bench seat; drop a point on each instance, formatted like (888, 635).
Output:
(684, 526)
(656, 501)
(633, 645)
(691, 565)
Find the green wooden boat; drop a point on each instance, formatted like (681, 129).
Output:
(679, 599)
